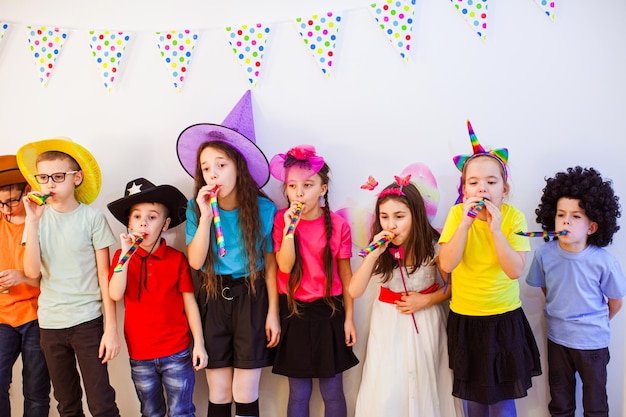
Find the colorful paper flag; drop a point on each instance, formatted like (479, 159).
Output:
(176, 48)
(3, 29)
(475, 14)
(548, 7)
(107, 48)
(45, 44)
(319, 33)
(395, 18)
(248, 43)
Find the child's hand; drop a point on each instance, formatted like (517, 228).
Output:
(289, 214)
(272, 330)
(203, 201)
(412, 302)
(126, 241)
(494, 216)
(109, 346)
(33, 210)
(199, 357)
(10, 278)
(382, 248)
(350, 332)
(470, 204)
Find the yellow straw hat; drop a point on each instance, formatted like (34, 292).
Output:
(87, 191)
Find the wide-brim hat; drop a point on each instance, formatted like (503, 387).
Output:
(87, 191)
(141, 190)
(237, 130)
(9, 171)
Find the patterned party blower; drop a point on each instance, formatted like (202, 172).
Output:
(375, 245)
(40, 200)
(219, 232)
(127, 255)
(473, 213)
(294, 219)
(542, 234)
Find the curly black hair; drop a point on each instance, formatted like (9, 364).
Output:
(596, 197)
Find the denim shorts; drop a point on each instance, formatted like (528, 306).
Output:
(172, 377)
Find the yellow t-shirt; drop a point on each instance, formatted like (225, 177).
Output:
(19, 305)
(479, 285)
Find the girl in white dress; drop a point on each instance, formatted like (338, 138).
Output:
(406, 370)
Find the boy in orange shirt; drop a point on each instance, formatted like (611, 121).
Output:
(19, 328)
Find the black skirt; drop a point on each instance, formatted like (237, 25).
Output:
(313, 344)
(493, 357)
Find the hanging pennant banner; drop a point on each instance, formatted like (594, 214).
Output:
(107, 48)
(45, 44)
(395, 18)
(176, 48)
(3, 29)
(248, 43)
(475, 14)
(548, 7)
(319, 33)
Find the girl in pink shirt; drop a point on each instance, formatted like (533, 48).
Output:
(313, 249)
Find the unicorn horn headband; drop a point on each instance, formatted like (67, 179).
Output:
(501, 155)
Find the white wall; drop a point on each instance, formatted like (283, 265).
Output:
(552, 92)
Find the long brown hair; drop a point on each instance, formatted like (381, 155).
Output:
(420, 243)
(295, 278)
(248, 217)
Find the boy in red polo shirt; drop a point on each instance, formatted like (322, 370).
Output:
(160, 307)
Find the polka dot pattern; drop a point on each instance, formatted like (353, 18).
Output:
(475, 13)
(107, 48)
(3, 29)
(176, 48)
(45, 44)
(248, 43)
(319, 33)
(548, 7)
(395, 18)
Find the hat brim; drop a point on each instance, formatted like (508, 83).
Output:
(192, 137)
(88, 190)
(169, 196)
(9, 171)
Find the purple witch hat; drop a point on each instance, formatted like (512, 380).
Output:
(237, 130)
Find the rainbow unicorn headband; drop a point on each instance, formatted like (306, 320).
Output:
(371, 184)
(501, 155)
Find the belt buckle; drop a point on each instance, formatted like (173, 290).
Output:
(226, 295)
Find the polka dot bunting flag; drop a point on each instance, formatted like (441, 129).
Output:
(45, 44)
(3, 29)
(475, 13)
(176, 48)
(107, 48)
(248, 43)
(395, 18)
(548, 7)
(319, 33)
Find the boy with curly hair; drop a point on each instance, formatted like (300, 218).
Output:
(583, 284)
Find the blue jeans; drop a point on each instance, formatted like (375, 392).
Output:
(24, 339)
(175, 375)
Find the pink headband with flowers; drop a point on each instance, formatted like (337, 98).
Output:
(299, 163)
(371, 184)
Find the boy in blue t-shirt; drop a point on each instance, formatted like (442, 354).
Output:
(67, 250)
(583, 284)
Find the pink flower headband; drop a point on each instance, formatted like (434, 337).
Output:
(300, 162)
(371, 184)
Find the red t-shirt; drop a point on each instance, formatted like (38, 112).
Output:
(155, 324)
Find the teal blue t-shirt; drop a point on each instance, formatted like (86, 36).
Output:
(235, 262)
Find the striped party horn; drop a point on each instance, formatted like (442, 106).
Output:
(127, 255)
(40, 200)
(375, 245)
(479, 206)
(294, 219)
(542, 234)
(219, 232)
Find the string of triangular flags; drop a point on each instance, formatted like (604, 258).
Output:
(319, 33)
